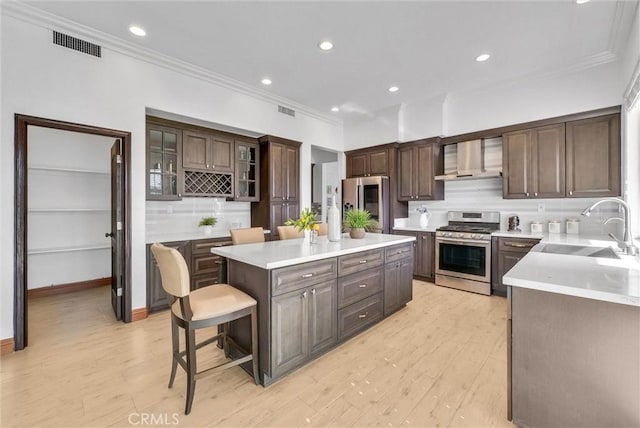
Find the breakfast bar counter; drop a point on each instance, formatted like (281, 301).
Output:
(312, 297)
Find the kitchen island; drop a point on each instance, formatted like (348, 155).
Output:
(574, 340)
(312, 297)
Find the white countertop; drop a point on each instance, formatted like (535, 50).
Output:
(609, 280)
(409, 228)
(277, 254)
(188, 236)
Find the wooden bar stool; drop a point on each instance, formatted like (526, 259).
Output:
(289, 232)
(248, 235)
(205, 307)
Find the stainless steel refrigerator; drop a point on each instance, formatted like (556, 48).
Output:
(371, 194)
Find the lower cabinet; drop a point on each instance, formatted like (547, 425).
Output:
(157, 299)
(398, 286)
(423, 255)
(506, 253)
(303, 325)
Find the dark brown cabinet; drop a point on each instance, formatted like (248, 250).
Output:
(303, 325)
(423, 253)
(398, 280)
(205, 151)
(505, 254)
(369, 162)
(164, 166)
(279, 184)
(418, 163)
(247, 179)
(534, 163)
(157, 299)
(593, 157)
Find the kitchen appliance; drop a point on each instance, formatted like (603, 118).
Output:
(470, 163)
(371, 194)
(463, 250)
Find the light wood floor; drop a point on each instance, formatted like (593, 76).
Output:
(441, 361)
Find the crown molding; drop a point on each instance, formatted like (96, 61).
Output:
(624, 10)
(40, 18)
(632, 92)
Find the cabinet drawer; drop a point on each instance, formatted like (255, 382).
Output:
(521, 245)
(360, 261)
(359, 315)
(398, 252)
(299, 276)
(205, 263)
(203, 246)
(355, 287)
(200, 281)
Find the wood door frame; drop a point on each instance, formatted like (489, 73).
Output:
(20, 215)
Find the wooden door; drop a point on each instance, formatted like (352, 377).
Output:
(157, 298)
(391, 292)
(289, 331)
(423, 172)
(277, 213)
(357, 165)
(548, 161)
(117, 241)
(516, 164)
(164, 163)
(247, 176)
(277, 166)
(405, 174)
(292, 173)
(593, 157)
(425, 260)
(507, 260)
(323, 307)
(416, 248)
(291, 210)
(222, 152)
(405, 281)
(379, 163)
(195, 150)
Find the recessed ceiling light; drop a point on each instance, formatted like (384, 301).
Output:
(483, 57)
(326, 45)
(582, 1)
(334, 109)
(138, 31)
(266, 81)
(393, 89)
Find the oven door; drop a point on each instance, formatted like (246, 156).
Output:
(463, 258)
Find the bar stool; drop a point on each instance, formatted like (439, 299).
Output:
(289, 232)
(247, 235)
(205, 307)
(323, 229)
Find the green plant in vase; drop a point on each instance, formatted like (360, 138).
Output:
(305, 222)
(358, 220)
(207, 224)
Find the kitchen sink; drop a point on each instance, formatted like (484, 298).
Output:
(580, 250)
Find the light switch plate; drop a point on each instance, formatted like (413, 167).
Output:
(541, 207)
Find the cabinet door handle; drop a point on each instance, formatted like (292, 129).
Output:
(362, 286)
(306, 275)
(179, 195)
(516, 245)
(527, 194)
(424, 237)
(213, 166)
(535, 194)
(570, 192)
(362, 262)
(313, 292)
(304, 295)
(363, 315)
(207, 165)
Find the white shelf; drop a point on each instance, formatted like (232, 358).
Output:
(68, 210)
(74, 170)
(68, 249)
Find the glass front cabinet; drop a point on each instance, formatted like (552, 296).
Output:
(164, 166)
(247, 180)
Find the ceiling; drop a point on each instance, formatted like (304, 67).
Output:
(427, 49)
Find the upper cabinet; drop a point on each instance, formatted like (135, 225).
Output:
(164, 166)
(574, 159)
(593, 157)
(246, 171)
(534, 163)
(368, 162)
(418, 163)
(209, 152)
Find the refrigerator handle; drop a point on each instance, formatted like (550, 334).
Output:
(360, 193)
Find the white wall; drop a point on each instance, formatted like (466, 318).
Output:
(41, 79)
(382, 127)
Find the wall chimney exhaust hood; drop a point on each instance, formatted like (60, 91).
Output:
(470, 161)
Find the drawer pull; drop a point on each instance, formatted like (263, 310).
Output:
(313, 292)
(362, 262)
(306, 275)
(362, 286)
(517, 245)
(304, 295)
(363, 315)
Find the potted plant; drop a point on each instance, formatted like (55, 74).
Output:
(305, 222)
(358, 220)
(207, 224)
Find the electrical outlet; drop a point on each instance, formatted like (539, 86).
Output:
(541, 207)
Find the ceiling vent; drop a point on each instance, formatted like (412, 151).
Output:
(288, 111)
(77, 44)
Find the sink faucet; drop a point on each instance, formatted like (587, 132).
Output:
(627, 241)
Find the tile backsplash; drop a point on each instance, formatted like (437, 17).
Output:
(486, 195)
(184, 215)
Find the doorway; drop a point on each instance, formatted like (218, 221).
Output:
(119, 177)
(325, 180)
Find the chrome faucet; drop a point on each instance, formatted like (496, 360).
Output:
(626, 243)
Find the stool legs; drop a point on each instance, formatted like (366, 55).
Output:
(175, 351)
(190, 341)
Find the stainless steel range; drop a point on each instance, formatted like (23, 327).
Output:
(463, 250)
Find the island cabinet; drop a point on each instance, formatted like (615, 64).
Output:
(423, 253)
(279, 184)
(418, 164)
(506, 252)
(398, 273)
